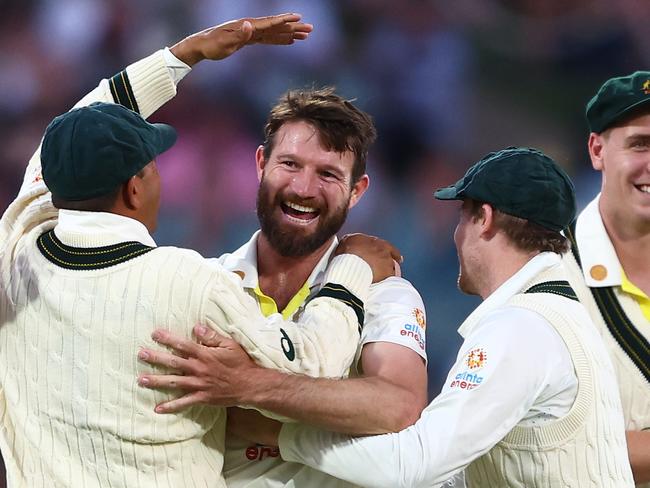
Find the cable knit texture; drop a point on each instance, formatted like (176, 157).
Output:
(633, 387)
(585, 448)
(71, 413)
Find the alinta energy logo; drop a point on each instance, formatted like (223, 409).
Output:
(469, 379)
(416, 331)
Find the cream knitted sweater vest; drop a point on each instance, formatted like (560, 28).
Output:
(586, 448)
(71, 413)
(633, 387)
(75, 416)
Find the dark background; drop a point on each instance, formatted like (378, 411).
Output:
(446, 81)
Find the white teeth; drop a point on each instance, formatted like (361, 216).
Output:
(299, 208)
(644, 188)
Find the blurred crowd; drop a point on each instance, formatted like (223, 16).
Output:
(446, 82)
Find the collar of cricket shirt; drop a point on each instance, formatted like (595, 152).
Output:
(600, 265)
(95, 229)
(509, 288)
(244, 260)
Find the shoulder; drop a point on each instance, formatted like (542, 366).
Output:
(518, 329)
(188, 257)
(519, 344)
(394, 290)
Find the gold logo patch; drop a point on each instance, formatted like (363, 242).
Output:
(598, 272)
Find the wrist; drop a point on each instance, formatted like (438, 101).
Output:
(262, 388)
(187, 51)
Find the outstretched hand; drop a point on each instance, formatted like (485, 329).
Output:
(211, 372)
(221, 41)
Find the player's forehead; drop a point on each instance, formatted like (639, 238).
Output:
(638, 123)
(302, 141)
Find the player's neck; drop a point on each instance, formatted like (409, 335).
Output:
(500, 267)
(630, 237)
(280, 277)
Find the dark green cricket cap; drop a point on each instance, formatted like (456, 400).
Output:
(90, 151)
(522, 182)
(617, 98)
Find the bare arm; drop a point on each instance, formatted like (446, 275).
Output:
(638, 446)
(388, 399)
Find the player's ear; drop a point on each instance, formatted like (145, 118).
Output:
(486, 220)
(358, 189)
(260, 162)
(595, 146)
(131, 191)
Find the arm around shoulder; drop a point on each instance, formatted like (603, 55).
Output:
(321, 343)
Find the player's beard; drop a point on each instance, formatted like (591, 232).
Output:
(287, 240)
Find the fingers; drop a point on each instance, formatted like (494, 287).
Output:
(178, 404)
(247, 31)
(397, 269)
(394, 252)
(209, 337)
(183, 346)
(168, 360)
(185, 383)
(279, 29)
(274, 20)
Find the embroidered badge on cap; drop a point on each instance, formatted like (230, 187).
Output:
(468, 378)
(646, 87)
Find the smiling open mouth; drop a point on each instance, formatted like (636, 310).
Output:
(299, 213)
(643, 188)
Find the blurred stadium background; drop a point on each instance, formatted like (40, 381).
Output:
(445, 81)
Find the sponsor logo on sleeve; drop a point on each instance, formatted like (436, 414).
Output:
(416, 330)
(469, 378)
(287, 346)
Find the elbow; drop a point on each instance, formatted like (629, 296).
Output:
(406, 414)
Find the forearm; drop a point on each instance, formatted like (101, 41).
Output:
(357, 406)
(403, 460)
(638, 446)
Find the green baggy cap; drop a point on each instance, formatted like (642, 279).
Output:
(522, 182)
(617, 98)
(90, 151)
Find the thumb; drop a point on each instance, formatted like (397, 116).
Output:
(246, 31)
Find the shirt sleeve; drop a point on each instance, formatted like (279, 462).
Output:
(322, 343)
(501, 369)
(395, 313)
(145, 84)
